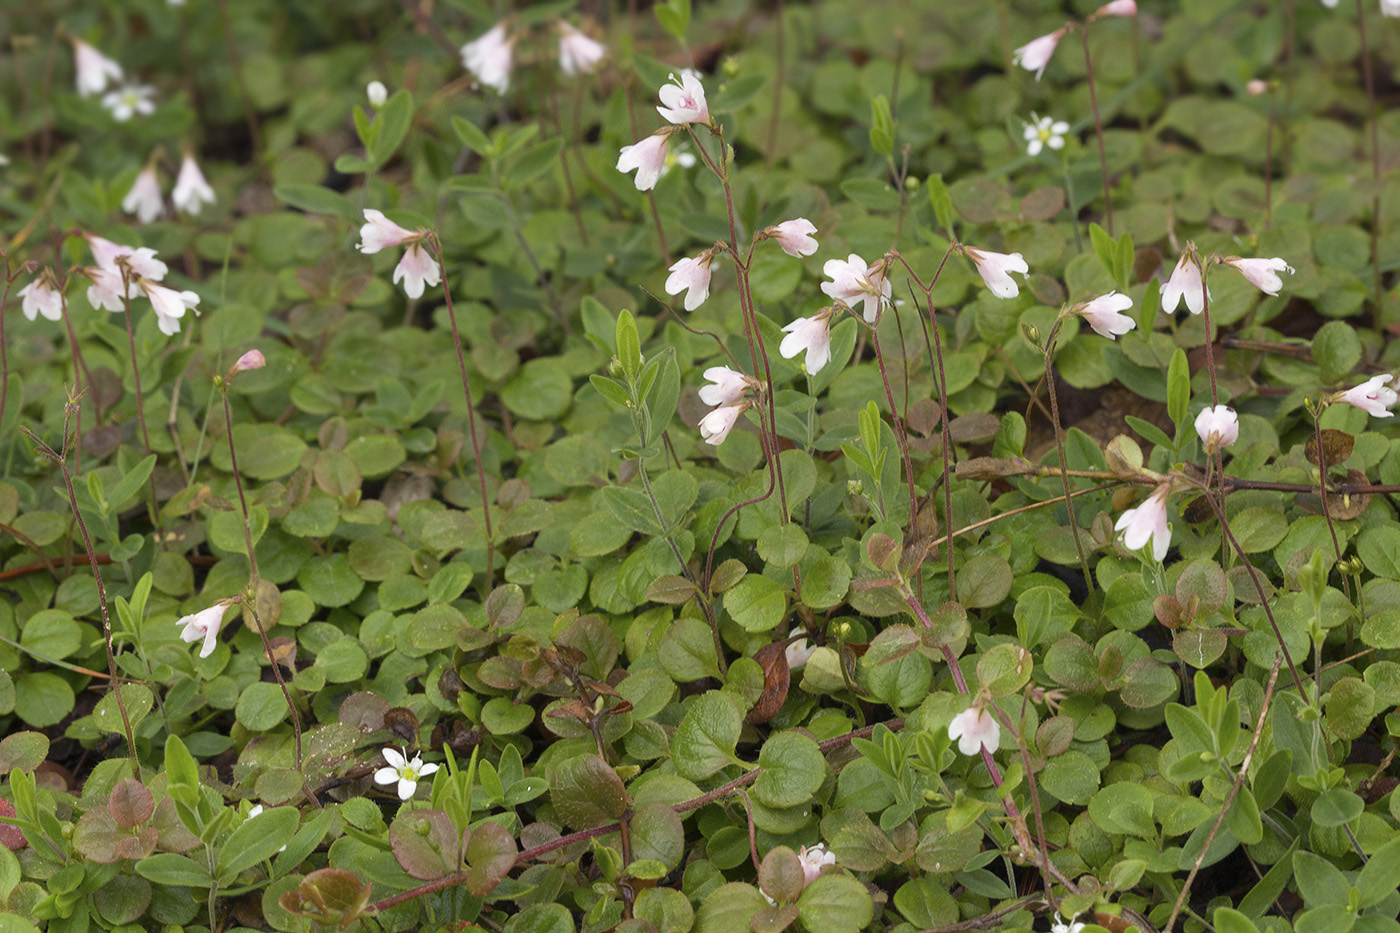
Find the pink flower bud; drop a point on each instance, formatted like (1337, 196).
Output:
(253, 359)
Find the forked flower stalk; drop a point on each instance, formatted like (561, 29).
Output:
(471, 406)
(60, 457)
(1098, 129)
(252, 599)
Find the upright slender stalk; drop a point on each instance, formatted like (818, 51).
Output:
(61, 458)
(902, 437)
(1219, 510)
(253, 578)
(1375, 155)
(135, 369)
(1229, 798)
(1098, 129)
(777, 85)
(1322, 467)
(1269, 159)
(564, 161)
(631, 78)
(1060, 449)
(946, 479)
(79, 363)
(471, 407)
(757, 348)
(4, 347)
(236, 62)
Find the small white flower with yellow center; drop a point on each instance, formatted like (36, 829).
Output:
(407, 773)
(1045, 131)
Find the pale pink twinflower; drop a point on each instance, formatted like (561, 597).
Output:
(810, 334)
(684, 101)
(379, 232)
(489, 58)
(41, 297)
(106, 289)
(1186, 282)
(169, 305)
(1035, 55)
(1373, 396)
(1104, 315)
(144, 199)
(141, 260)
(417, 268)
(794, 236)
(692, 276)
(1217, 427)
(715, 426)
(578, 54)
(996, 269)
(852, 280)
(814, 860)
(975, 729)
(1148, 520)
(798, 652)
(93, 69)
(1261, 273)
(1059, 926)
(1390, 7)
(647, 157)
(192, 190)
(728, 386)
(1116, 8)
(204, 626)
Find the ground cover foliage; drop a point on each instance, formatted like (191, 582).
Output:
(660, 562)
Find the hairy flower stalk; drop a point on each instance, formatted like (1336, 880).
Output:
(436, 244)
(60, 457)
(1049, 353)
(685, 104)
(251, 601)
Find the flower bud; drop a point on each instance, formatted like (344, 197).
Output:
(377, 93)
(1256, 87)
(253, 359)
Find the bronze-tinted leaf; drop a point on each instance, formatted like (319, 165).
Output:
(1043, 203)
(777, 678)
(140, 845)
(1198, 510)
(1336, 446)
(1168, 611)
(11, 837)
(924, 416)
(490, 854)
(402, 724)
(884, 552)
(425, 844)
(284, 652)
(365, 711)
(131, 803)
(780, 875)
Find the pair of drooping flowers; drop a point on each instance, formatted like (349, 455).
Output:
(192, 191)
(121, 274)
(490, 57)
